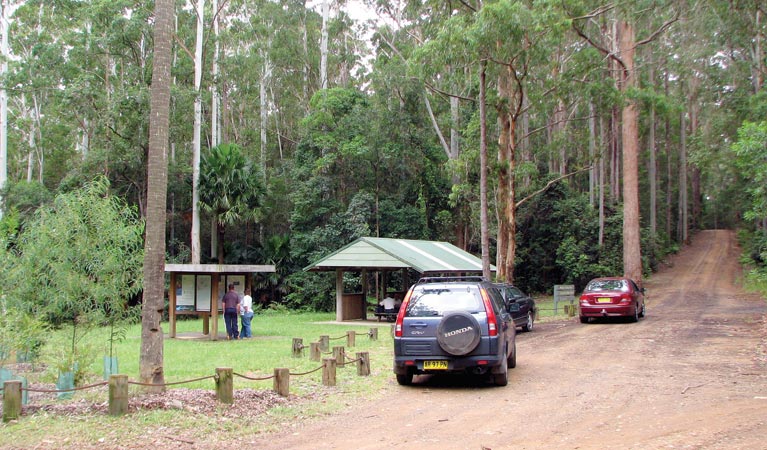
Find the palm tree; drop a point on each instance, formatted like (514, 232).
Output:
(229, 189)
(151, 360)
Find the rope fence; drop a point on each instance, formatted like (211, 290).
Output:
(13, 399)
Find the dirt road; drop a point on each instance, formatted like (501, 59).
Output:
(691, 375)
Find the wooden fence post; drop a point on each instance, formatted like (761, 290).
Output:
(11, 400)
(324, 343)
(329, 372)
(282, 382)
(339, 353)
(314, 351)
(225, 385)
(350, 338)
(298, 347)
(374, 334)
(363, 364)
(118, 395)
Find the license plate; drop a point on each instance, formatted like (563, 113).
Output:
(435, 365)
(604, 300)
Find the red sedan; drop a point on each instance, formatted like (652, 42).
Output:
(612, 297)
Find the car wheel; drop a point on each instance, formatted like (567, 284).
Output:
(458, 333)
(528, 326)
(644, 310)
(406, 379)
(512, 360)
(635, 317)
(501, 377)
(584, 319)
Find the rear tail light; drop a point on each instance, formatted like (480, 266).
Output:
(401, 314)
(491, 320)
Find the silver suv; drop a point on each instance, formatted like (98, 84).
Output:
(454, 324)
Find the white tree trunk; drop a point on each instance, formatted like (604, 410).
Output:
(324, 45)
(196, 142)
(264, 108)
(215, 134)
(4, 53)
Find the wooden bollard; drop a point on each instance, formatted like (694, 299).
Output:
(282, 382)
(11, 400)
(374, 334)
(324, 343)
(351, 336)
(225, 385)
(339, 353)
(314, 351)
(118, 395)
(363, 364)
(329, 372)
(298, 347)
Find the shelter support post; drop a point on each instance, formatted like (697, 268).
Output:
(364, 294)
(339, 295)
(172, 306)
(214, 307)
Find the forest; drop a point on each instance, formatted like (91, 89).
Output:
(554, 138)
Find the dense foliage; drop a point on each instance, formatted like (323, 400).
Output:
(391, 147)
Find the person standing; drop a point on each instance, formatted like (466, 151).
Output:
(231, 302)
(246, 315)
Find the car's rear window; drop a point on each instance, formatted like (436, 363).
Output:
(430, 302)
(606, 285)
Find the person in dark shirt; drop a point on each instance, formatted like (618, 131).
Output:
(231, 302)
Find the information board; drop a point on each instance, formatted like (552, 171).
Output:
(203, 292)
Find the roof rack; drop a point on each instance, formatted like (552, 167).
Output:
(473, 278)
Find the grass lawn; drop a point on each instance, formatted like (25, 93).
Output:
(187, 359)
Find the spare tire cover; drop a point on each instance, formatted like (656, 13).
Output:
(458, 333)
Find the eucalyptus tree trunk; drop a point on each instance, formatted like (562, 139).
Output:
(632, 253)
(5, 15)
(652, 173)
(507, 226)
(324, 45)
(483, 203)
(266, 74)
(215, 99)
(196, 144)
(151, 366)
(682, 228)
(592, 154)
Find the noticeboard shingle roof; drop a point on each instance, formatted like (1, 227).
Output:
(389, 253)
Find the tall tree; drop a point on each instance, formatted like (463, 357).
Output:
(196, 143)
(152, 369)
(4, 18)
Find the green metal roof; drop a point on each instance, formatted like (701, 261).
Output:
(387, 253)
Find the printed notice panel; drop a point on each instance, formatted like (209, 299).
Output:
(186, 295)
(203, 292)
